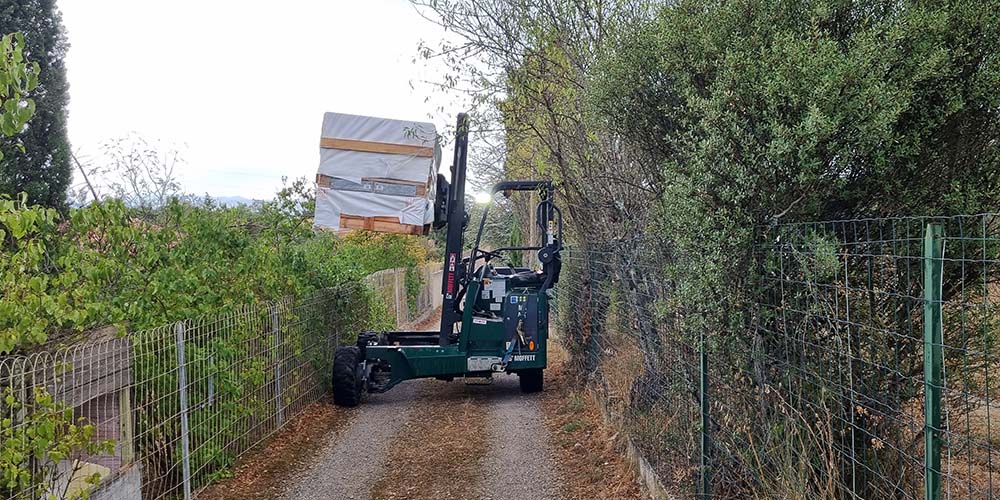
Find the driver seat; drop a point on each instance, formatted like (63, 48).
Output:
(551, 265)
(526, 279)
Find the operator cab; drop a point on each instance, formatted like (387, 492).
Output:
(497, 282)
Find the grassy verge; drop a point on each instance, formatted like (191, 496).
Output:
(589, 453)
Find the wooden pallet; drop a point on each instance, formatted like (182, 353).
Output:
(380, 225)
(376, 147)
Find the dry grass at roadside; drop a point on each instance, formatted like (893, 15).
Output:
(591, 461)
(262, 474)
(437, 455)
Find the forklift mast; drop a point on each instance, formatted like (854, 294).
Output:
(453, 199)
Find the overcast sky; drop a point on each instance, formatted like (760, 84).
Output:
(241, 85)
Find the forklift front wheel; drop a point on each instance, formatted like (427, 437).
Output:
(531, 380)
(347, 380)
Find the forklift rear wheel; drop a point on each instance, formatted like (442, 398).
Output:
(346, 377)
(531, 380)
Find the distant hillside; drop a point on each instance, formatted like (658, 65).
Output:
(230, 201)
(234, 200)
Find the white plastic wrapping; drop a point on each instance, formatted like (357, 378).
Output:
(398, 150)
(330, 203)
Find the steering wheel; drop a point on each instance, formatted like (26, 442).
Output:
(486, 254)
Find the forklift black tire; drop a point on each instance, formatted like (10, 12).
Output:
(531, 380)
(346, 378)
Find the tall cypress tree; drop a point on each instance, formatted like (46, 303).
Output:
(42, 168)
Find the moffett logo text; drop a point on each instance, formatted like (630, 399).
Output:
(450, 287)
(524, 357)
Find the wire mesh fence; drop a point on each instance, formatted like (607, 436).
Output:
(163, 412)
(858, 363)
(408, 293)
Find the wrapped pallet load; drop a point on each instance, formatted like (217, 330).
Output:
(376, 174)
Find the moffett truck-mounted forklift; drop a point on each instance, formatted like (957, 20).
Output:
(494, 319)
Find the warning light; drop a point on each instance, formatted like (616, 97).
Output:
(531, 345)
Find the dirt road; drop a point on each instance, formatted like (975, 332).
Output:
(349, 459)
(440, 440)
(520, 462)
(430, 439)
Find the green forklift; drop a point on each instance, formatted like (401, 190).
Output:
(494, 318)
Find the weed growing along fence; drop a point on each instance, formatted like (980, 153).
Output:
(864, 363)
(163, 412)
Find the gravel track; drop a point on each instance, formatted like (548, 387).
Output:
(519, 465)
(353, 459)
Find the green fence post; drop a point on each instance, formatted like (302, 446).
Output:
(933, 358)
(594, 345)
(706, 437)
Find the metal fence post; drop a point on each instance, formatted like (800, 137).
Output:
(279, 399)
(706, 437)
(402, 306)
(211, 378)
(182, 389)
(593, 356)
(933, 358)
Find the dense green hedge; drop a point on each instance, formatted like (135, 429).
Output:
(106, 265)
(218, 269)
(682, 134)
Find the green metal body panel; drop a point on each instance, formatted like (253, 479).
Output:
(480, 337)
